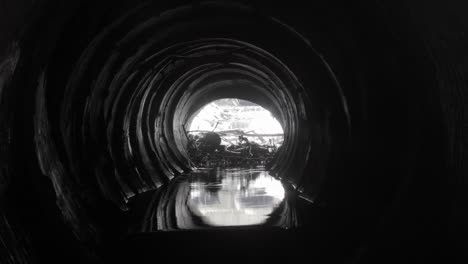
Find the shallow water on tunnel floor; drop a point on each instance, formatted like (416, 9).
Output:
(234, 197)
(216, 198)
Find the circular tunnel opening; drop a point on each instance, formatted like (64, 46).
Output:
(247, 73)
(234, 114)
(192, 74)
(232, 132)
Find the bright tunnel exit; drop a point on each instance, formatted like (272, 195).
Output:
(236, 114)
(233, 132)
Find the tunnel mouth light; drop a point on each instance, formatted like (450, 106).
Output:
(232, 132)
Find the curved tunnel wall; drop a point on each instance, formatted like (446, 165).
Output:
(120, 117)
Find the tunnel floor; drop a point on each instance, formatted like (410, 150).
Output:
(234, 212)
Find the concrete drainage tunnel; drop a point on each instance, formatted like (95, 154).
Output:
(96, 98)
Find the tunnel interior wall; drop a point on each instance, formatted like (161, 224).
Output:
(401, 69)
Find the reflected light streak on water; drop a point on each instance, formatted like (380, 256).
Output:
(235, 197)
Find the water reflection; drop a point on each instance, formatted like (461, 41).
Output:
(234, 197)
